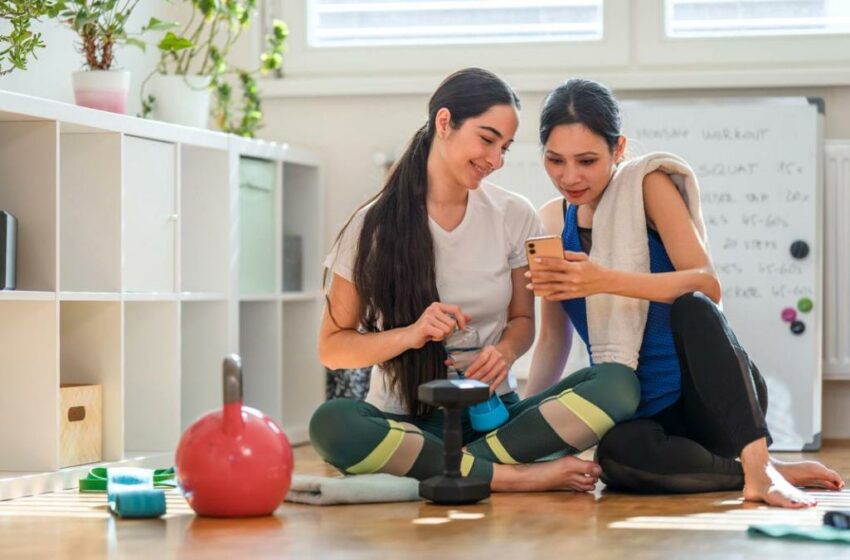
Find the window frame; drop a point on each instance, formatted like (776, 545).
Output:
(634, 54)
(306, 61)
(655, 48)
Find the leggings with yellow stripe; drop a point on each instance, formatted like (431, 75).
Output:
(571, 416)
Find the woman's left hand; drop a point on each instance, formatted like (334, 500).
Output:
(574, 276)
(491, 366)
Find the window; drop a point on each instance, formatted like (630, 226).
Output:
(723, 18)
(339, 23)
(407, 46)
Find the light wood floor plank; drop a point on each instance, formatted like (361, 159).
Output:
(559, 525)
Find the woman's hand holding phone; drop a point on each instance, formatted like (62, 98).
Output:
(558, 275)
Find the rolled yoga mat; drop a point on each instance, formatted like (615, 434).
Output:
(131, 494)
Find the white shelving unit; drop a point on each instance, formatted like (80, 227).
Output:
(128, 277)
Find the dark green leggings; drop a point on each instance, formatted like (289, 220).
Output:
(571, 416)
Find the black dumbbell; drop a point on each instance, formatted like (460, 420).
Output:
(450, 487)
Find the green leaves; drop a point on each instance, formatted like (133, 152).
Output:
(158, 25)
(81, 19)
(18, 43)
(272, 58)
(133, 42)
(247, 119)
(171, 43)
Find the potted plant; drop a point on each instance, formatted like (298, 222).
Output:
(21, 43)
(101, 28)
(245, 120)
(193, 65)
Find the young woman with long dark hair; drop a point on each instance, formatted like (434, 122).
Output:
(438, 250)
(647, 296)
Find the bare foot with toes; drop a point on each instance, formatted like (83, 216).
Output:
(566, 473)
(771, 488)
(809, 474)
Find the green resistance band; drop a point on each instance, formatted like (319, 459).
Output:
(95, 480)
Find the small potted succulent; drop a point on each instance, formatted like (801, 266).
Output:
(101, 27)
(193, 66)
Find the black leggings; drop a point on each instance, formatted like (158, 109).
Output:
(692, 445)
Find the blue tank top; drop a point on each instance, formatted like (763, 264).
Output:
(658, 364)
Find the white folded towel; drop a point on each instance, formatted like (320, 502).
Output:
(616, 323)
(357, 489)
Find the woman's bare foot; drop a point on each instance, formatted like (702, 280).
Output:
(764, 483)
(810, 474)
(564, 473)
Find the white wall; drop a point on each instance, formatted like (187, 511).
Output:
(348, 130)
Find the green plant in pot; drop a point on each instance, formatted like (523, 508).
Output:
(100, 26)
(194, 65)
(17, 40)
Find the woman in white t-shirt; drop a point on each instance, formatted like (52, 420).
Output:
(434, 251)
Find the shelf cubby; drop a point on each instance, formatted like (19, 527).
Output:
(151, 376)
(29, 401)
(204, 344)
(90, 354)
(28, 190)
(150, 215)
(303, 380)
(204, 219)
(301, 258)
(90, 212)
(259, 181)
(259, 335)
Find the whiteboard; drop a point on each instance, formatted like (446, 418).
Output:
(759, 165)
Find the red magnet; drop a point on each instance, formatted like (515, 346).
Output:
(789, 315)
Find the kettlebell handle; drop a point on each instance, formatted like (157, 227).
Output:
(232, 414)
(232, 379)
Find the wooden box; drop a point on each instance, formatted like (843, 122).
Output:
(81, 425)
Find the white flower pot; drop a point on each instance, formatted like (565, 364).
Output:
(102, 89)
(180, 99)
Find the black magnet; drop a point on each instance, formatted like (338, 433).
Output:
(797, 327)
(799, 249)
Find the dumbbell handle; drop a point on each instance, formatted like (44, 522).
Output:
(452, 441)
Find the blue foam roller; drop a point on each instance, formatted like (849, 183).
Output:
(138, 503)
(131, 493)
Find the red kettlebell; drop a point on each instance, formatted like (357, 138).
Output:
(236, 462)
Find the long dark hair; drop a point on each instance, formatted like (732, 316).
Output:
(394, 271)
(584, 102)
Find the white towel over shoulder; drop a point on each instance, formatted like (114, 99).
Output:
(615, 323)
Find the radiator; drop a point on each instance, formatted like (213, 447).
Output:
(836, 332)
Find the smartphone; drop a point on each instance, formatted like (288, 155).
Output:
(543, 246)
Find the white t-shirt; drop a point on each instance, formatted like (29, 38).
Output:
(473, 266)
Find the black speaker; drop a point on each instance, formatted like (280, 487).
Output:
(8, 230)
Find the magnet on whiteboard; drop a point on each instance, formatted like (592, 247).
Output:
(805, 304)
(789, 315)
(799, 249)
(797, 327)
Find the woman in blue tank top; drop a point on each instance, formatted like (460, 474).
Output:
(700, 425)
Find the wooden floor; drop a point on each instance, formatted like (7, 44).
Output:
(562, 526)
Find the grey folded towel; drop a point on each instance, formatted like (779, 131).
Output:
(357, 489)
